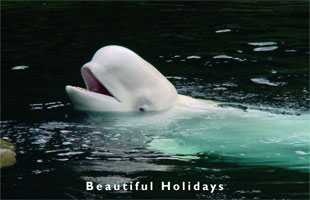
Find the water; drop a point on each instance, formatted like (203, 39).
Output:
(254, 53)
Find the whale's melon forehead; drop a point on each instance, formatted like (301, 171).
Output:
(119, 65)
(113, 58)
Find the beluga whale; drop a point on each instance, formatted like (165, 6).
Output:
(119, 80)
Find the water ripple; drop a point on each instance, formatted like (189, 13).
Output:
(271, 48)
(193, 57)
(228, 57)
(223, 31)
(260, 44)
(22, 67)
(264, 81)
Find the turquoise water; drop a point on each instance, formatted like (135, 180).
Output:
(246, 138)
(252, 57)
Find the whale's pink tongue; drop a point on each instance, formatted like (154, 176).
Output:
(93, 84)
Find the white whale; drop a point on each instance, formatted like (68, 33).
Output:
(118, 80)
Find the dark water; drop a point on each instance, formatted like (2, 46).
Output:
(254, 53)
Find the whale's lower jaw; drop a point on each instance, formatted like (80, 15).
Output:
(87, 100)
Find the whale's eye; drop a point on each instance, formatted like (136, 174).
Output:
(141, 109)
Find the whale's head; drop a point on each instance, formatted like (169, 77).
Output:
(118, 80)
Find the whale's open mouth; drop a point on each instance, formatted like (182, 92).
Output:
(93, 85)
